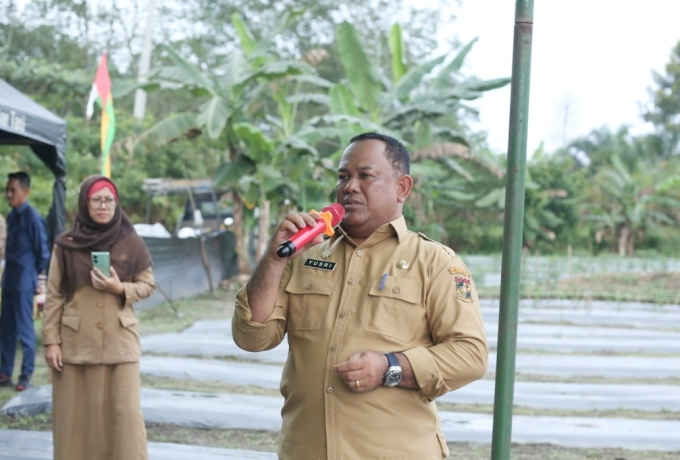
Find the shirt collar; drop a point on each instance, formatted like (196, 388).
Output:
(22, 208)
(397, 228)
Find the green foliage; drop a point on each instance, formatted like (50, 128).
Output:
(412, 107)
(209, 36)
(65, 91)
(402, 105)
(397, 51)
(22, 158)
(594, 151)
(553, 194)
(665, 111)
(625, 204)
(263, 96)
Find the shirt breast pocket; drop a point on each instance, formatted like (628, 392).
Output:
(396, 310)
(307, 302)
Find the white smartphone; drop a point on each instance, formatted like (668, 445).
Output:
(102, 261)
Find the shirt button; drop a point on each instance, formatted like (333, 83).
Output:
(100, 305)
(343, 314)
(360, 253)
(334, 348)
(329, 390)
(100, 325)
(395, 290)
(352, 281)
(308, 287)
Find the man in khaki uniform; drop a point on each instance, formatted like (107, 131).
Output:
(380, 321)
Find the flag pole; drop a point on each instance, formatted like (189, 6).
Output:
(101, 95)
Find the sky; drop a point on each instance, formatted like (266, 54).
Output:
(592, 63)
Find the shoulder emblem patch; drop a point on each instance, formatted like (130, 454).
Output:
(464, 289)
(454, 270)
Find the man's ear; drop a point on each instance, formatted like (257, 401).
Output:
(404, 186)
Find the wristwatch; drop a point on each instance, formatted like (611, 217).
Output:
(393, 375)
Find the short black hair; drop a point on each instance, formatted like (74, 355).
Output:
(395, 151)
(21, 176)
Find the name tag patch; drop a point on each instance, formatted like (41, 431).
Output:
(320, 264)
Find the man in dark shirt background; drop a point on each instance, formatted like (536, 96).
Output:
(26, 255)
(3, 237)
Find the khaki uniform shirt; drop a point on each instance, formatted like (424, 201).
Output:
(94, 327)
(396, 292)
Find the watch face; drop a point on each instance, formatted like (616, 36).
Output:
(392, 378)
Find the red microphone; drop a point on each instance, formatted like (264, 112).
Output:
(331, 216)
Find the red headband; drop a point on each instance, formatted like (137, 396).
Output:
(100, 185)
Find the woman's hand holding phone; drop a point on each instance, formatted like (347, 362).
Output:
(110, 284)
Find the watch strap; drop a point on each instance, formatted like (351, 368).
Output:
(392, 359)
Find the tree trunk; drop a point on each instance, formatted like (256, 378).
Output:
(206, 263)
(240, 232)
(624, 236)
(263, 229)
(630, 247)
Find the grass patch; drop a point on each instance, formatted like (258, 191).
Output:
(225, 358)
(541, 412)
(622, 354)
(652, 287)
(259, 440)
(40, 422)
(465, 451)
(590, 379)
(204, 386)
(165, 318)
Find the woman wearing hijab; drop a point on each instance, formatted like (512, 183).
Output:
(90, 331)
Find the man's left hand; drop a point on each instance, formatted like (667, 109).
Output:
(363, 371)
(110, 284)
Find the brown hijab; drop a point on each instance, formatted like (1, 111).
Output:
(129, 254)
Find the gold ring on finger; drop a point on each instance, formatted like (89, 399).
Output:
(357, 384)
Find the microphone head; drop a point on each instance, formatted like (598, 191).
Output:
(337, 213)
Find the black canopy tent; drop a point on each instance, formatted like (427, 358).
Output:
(24, 122)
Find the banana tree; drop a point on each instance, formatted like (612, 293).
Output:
(228, 99)
(276, 168)
(544, 200)
(421, 105)
(624, 205)
(282, 163)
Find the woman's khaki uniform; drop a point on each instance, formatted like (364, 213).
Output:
(96, 404)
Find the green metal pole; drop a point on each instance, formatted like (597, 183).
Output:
(512, 231)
